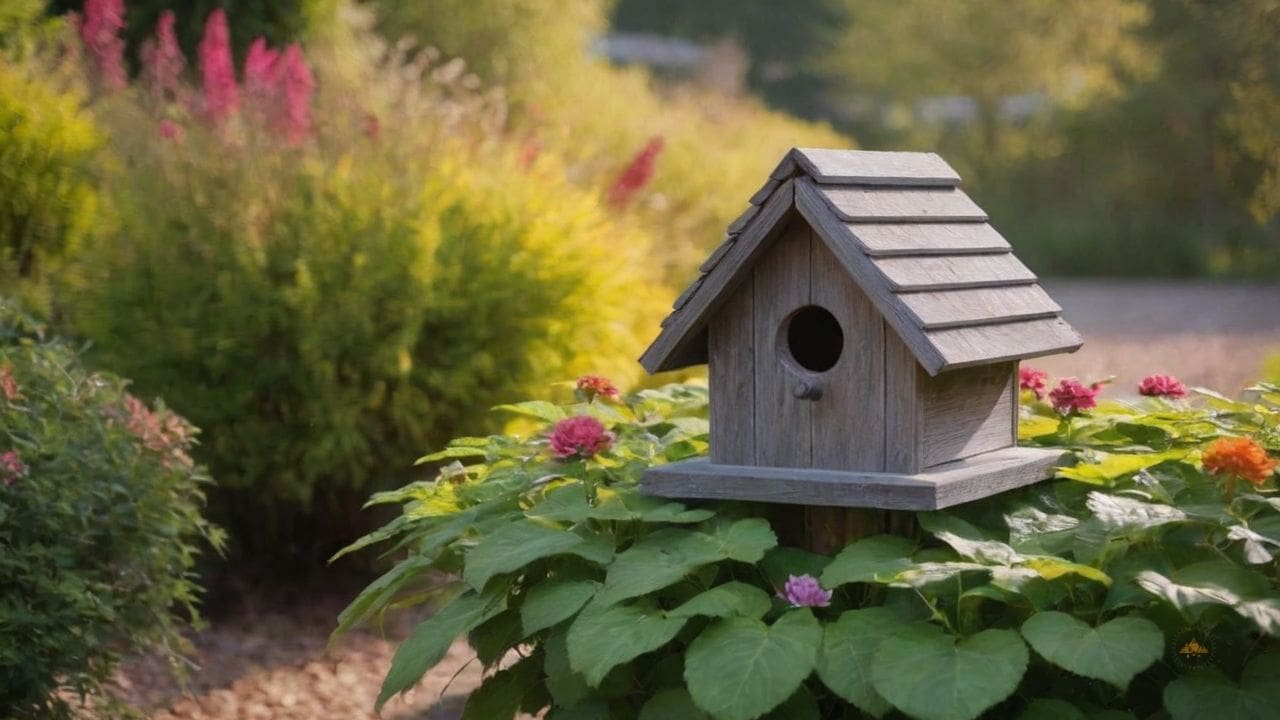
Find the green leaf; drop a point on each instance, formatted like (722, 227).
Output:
(782, 562)
(499, 696)
(800, 706)
(1114, 651)
(1029, 525)
(591, 709)
(740, 668)
(605, 636)
(1109, 467)
(672, 512)
(732, 599)
(864, 560)
(926, 573)
(564, 503)
(672, 704)
(1051, 709)
(656, 561)
(513, 546)
(1257, 547)
(1123, 514)
(926, 674)
(450, 453)
(550, 603)
(986, 552)
(537, 409)
(567, 687)
(493, 638)
(432, 638)
(1217, 583)
(848, 649)
(1208, 693)
(1050, 567)
(745, 540)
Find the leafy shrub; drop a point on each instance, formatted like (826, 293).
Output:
(1140, 581)
(100, 523)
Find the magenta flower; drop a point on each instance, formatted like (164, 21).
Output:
(260, 67)
(804, 591)
(100, 31)
(162, 59)
(582, 436)
(217, 72)
(1072, 396)
(11, 467)
(1033, 380)
(1162, 386)
(638, 173)
(8, 384)
(170, 130)
(296, 85)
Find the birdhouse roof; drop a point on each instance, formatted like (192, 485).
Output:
(915, 243)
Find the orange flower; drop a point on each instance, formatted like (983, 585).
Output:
(1240, 457)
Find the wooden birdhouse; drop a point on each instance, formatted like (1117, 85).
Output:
(862, 324)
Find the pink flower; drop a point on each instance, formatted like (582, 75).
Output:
(582, 435)
(260, 67)
(372, 126)
(162, 59)
(1033, 380)
(297, 85)
(217, 72)
(1072, 396)
(638, 173)
(804, 591)
(170, 130)
(1162, 386)
(100, 31)
(11, 467)
(8, 385)
(592, 386)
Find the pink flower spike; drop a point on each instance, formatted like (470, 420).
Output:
(162, 59)
(804, 591)
(582, 436)
(297, 85)
(638, 173)
(1033, 380)
(1071, 396)
(100, 31)
(217, 72)
(1162, 386)
(260, 67)
(11, 467)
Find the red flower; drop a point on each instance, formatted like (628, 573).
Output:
(638, 173)
(1239, 457)
(1162, 386)
(11, 467)
(170, 130)
(8, 385)
(582, 435)
(1033, 380)
(162, 59)
(260, 67)
(100, 31)
(592, 386)
(1072, 396)
(217, 72)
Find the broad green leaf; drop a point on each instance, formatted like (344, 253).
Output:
(1123, 514)
(745, 540)
(927, 573)
(432, 638)
(1218, 583)
(882, 556)
(926, 674)
(672, 704)
(1144, 433)
(1052, 568)
(1037, 426)
(1111, 466)
(550, 603)
(1257, 547)
(381, 591)
(848, 649)
(656, 561)
(800, 706)
(1114, 651)
(740, 668)
(450, 453)
(499, 696)
(728, 600)
(1207, 693)
(672, 512)
(986, 552)
(566, 687)
(494, 637)
(1030, 525)
(590, 709)
(1051, 709)
(513, 546)
(782, 562)
(563, 503)
(537, 409)
(605, 636)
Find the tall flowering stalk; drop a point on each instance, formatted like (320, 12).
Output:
(100, 31)
(297, 86)
(162, 60)
(637, 175)
(217, 71)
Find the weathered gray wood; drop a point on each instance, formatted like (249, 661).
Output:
(741, 221)
(946, 272)
(864, 204)
(982, 306)
(866, 167)
(966, 412)
(783, 422)
(903, 402)
(688, 293)
(848, 432)
(717, 255)
(887, 239)
(938, 487)
(731, 376)
(765, 191)
(786, 168)
(964, 347)
(676, 346)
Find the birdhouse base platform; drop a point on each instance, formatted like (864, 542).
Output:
(937, 487)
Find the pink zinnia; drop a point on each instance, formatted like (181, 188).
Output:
(1162, 386)
(297, 85)
(162, 59)
(100, 31)
(8, 384)
(1033, 380)
(638, 173)
(592, 386)
(11, 467)
(583, 436)
(1072, 396)
(804, 591)
(217, 72)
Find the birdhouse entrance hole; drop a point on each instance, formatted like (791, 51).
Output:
(814, 338)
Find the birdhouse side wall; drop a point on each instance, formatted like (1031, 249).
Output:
(968, 412)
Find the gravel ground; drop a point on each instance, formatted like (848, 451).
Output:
(276, 664)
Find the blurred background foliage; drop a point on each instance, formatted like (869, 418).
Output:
(494, 195)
